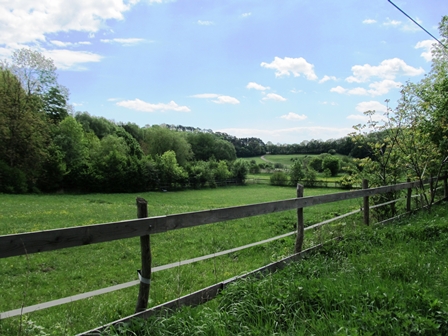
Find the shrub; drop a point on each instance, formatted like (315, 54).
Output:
(331, 163)
(279, 179)
(296, 173)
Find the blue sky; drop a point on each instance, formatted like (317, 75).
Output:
(284, 71)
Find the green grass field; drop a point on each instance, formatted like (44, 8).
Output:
(286, 161)
(41, 277)
(381, 280)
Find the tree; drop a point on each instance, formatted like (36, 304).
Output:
(158, 140)
(24, 135)
(35, 72)
(296, 172)
(171, 174)
(239, 170)
(55, 104)
(100, 126)
(331, 163)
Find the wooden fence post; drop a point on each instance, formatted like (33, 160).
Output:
(145, 273)
(365, 185)
(300, 224)
(408, 198)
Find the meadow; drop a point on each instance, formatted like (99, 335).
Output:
(42, 277)
(380, 280)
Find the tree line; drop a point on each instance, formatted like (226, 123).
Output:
(46, 146)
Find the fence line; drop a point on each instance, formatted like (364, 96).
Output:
(53, 303)
(20, 244)
(33, 242)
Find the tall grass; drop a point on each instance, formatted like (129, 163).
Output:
(383, 280)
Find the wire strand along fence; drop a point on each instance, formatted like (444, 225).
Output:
(143, 227)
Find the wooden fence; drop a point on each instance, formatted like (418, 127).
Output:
(306, 183)
(143, 227)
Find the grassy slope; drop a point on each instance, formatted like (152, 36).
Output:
(384, 280)
(48, 276)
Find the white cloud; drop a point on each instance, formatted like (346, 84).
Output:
(290, 135)
(383, 87)
(293, 116)
(220, 99)
(30, 21)
(393, 23)
(376, 89)
(253, 85)
(369, 21)
(327, 78)
(357, 92)
(68, 44)
(205, 95)
(73, 60)
(140, 105)
(287, 65)
(205, 23)
(370, 106)
(329, 103)
(338, 89)
(124, 41)
(274, 96)
(246, 14)
(226, 100)
(428, 46)
(296, 91)
(388, 69)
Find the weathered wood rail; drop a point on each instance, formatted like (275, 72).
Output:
(50, 240)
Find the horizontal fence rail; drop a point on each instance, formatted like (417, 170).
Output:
(50, 240)
(33, 242)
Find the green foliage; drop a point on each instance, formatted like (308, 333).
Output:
(239, 170)
(332, 163)
(12, 180)
(55, 104)
(296, 172)
(279, 179)
(316, 163)
(207, 145)
(100, 126)
(170, 172)
(158, 140)
(24, 135)
(310, 177)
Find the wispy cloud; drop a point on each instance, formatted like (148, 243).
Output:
(217, 98)
(205, 23)
(140, 105)
(274, 96)
(253, 85)
(294, 116)
(327, 78)
(369, 21)
(127, 42)
(72, 60)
